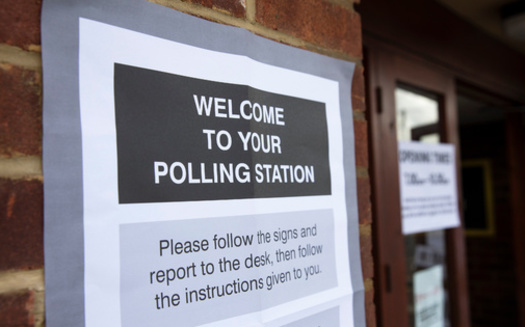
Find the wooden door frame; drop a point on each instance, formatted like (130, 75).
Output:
(515, 139)
(386, 67)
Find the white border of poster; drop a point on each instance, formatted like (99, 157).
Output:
(102, 213)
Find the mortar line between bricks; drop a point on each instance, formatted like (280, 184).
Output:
(21, 58)
(251, 10)
(369, 284)
(29, 167)
(361, 172)
(365, 230)
(258, 29)
(39, 308)
(14, 281)
(359, 115)
(347, 4)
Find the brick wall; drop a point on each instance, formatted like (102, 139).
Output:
(330, 27)
(21, 212)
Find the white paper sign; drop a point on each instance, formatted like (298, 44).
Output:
(429, 309)
(214, 187)
(196, 174)
(427, 174)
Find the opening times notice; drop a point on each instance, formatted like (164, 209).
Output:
(428, 186)
(183, 268)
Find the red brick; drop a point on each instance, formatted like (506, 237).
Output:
(361, 143)
(370, 309)
(20, 111)
(367, 260)
(16, 309)
(319, 22)
(20, 22)
(358, 90)
(235, 7)
(363, 201)
(21, 224)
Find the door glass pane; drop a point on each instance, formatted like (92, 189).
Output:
(417, 119)
(417, 116)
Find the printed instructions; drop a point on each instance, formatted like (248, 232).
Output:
(183, 268)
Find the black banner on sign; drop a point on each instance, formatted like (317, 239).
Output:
(184, 139)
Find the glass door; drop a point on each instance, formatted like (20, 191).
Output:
(410, 100)
(417, 120)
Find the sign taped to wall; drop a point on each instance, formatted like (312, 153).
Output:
(202, 174)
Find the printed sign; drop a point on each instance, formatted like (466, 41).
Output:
(225, 141)
(205, 172)
(429, 297)
(427, 178)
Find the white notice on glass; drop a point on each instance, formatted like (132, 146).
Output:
(427, 174)
(429, 297)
